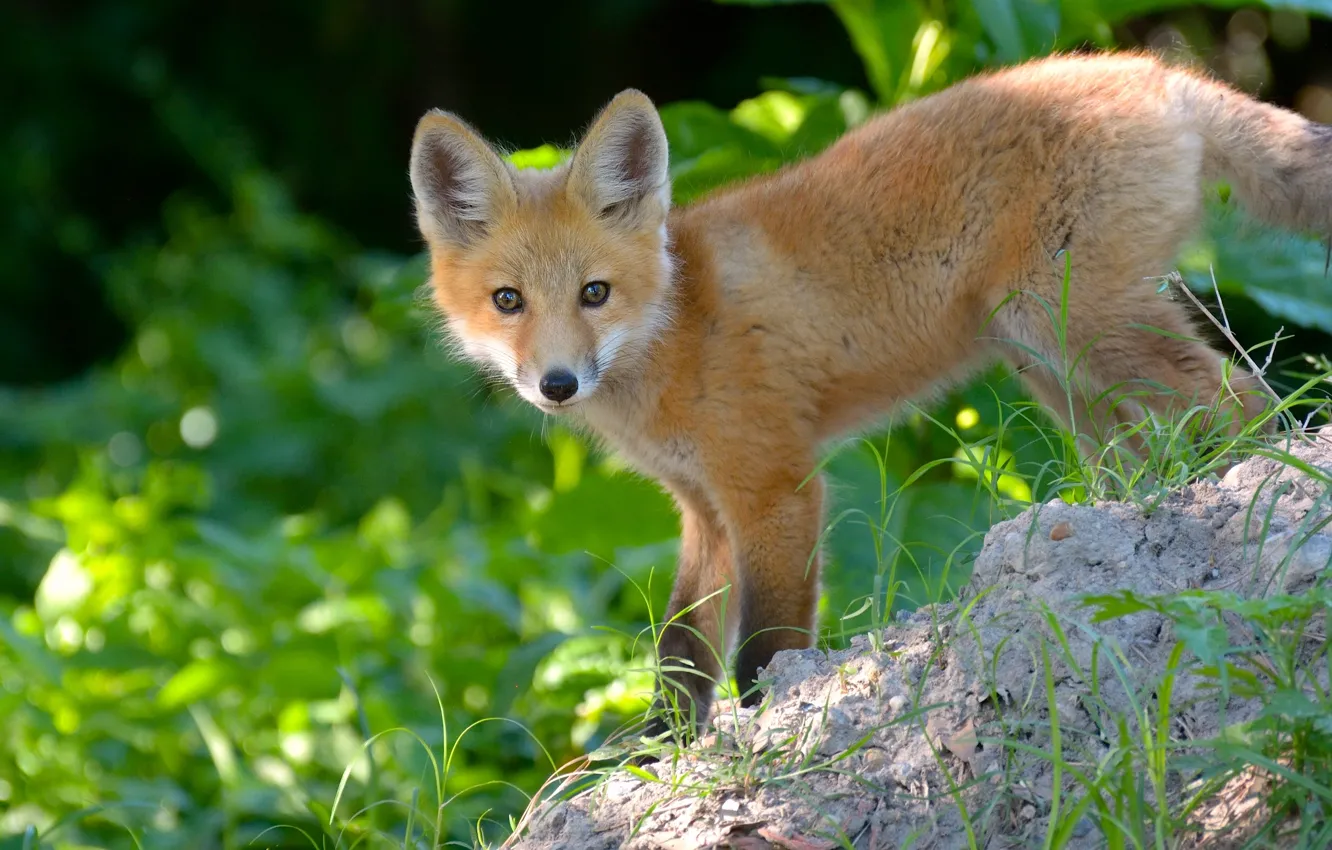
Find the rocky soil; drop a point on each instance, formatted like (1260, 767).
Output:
(885, 744)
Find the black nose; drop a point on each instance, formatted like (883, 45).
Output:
(559, 385)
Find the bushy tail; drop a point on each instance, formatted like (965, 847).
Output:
(1278, 163)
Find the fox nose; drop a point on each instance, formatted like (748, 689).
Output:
(559, 385)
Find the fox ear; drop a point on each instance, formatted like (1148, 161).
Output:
(461, 184)
(620, 169)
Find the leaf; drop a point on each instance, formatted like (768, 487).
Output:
(694, 178)
(883, 34)
(1043, 27)
(65, 586)
(195, 681)
(775, 115)
(710, 149)
(801, 85)
(387, 523)
(1000, 22)
(1116, 605)
(303, 671)
(481, 593)
(635, 770)
(1205, 638)
(325, 615)
(515, 678)
(25, 840)
(825, 122)
(603, 513)
(1282, 272)
(35, 658)
(694, 128)
(231, 542)
(1292, 704)
(546, 156)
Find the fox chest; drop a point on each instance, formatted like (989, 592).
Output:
(671, 459)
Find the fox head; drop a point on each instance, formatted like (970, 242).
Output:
(558, 280)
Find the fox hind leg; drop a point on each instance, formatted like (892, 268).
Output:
(1137, 353)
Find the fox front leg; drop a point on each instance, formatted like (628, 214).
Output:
(776, 541)
(692, 647)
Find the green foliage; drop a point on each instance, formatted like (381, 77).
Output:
(1272, 649)
(1285, 274)
(284, 520)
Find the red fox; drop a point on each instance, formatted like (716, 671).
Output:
(718, 347)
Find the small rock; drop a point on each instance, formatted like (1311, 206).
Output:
(962, 741)
(1307, 562)
(730, 809)
(1068, 707)
(1028, 812)
(897, 703)
(1083, 827)
(902, 773)
(988, 768)
(1061, 531)
(874, 762)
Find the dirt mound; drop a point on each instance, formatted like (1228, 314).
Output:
(890, 742)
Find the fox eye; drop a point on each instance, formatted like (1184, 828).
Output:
(507, 300)
(596, 293)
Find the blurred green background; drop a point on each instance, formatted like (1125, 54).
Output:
(251, 515)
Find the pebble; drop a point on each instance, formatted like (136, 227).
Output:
(902, 773)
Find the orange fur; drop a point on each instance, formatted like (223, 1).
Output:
(744, 332)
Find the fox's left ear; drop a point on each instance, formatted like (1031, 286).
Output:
(620, 169)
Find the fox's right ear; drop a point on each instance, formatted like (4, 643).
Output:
(461, 184)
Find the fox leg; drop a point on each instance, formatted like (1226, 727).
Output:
(692, 643)
(775, 532)
(1184, 370)
(762, 550)
(1140, 355)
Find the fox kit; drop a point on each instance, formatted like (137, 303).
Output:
(719, 346)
